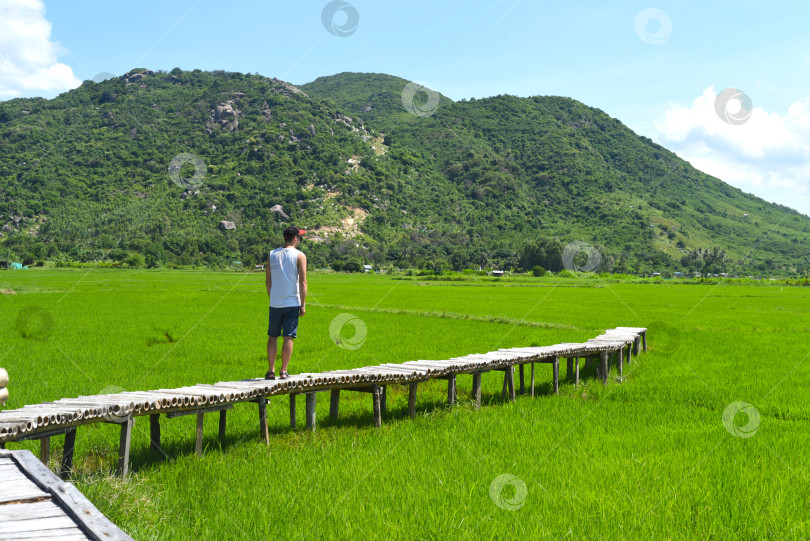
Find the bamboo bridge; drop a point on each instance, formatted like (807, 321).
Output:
(63, 417)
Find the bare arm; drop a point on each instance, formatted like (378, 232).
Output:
(302, 282)
(268, 279)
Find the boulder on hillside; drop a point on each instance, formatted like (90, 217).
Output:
(226, 115)
(227, 226)
(280, 211)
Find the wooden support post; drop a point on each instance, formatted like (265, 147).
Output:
(383, 399)
(603, 361)
(123, 448)
(223, 423)
(576, 372)
(505, 382)
(511, 372)
(45, 449)
(376, 396)
(644, 340)
(522, 385)
(532, 381)
(412, 399)
(311, 399)
(557, 375)
(588, 362)
(263, 433)
(620, 357)
(334, 404)
(199, 440)
(569, 369)
(451, 390)
(67, 454)
(476, 389)
(629, 353)
(154, 431)
(636, 343)
(292, 411)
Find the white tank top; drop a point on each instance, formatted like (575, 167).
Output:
(284, 276)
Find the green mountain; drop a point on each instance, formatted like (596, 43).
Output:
(416, 182)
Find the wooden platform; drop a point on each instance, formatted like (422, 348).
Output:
(36, 504)
(62, 417)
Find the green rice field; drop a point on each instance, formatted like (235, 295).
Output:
(704, 437)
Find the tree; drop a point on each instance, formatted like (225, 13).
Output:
(543, 252)
(134, 260)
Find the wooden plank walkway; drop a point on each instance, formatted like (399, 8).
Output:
(36, 504)
(62, 417)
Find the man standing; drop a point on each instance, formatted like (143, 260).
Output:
(286, 280)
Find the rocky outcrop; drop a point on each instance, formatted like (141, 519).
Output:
(280, 211)
(226, 115)
(286, 88)
(135, 77)
(345, 120)
(227, 226)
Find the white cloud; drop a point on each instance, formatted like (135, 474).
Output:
(768, 155)
(28, 58)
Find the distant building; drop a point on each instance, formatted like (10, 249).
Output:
(497, 273)
(367, 268)
(258, 267)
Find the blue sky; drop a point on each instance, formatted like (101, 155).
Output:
(657, 67)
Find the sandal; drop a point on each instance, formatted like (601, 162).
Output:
(284, 375)
(270, 375)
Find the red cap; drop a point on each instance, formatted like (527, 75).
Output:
(291, 232)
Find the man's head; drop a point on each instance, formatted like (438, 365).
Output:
(291, 234)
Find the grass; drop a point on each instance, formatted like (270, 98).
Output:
(647, 457)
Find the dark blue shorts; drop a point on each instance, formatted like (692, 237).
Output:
(283, 319)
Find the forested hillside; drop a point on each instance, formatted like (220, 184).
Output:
(503, 182)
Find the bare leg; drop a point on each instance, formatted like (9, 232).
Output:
(286, 352)
(272, 351)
